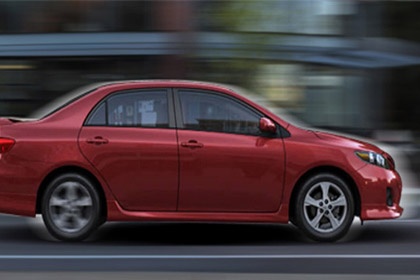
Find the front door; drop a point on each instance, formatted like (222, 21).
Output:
(226, 163)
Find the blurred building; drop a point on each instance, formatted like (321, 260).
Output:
(347, 65)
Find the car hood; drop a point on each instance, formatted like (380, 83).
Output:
(347, 142)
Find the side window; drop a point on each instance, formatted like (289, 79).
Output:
(133, 109)
(98, 116)
(211, 112)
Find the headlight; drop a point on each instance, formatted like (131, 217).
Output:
(373, 158)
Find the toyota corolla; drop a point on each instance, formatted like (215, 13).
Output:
(186, 151)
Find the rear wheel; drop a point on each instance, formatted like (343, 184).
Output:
(324, 207)
(71, 207)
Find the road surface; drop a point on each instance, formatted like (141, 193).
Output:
(381, 247)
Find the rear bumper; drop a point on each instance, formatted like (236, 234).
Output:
(373, 183)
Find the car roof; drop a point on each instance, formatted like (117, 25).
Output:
(164, 83)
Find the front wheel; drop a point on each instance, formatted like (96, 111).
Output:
(324, 208)
(71, 207)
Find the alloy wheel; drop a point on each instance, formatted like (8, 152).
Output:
(325, 207)
(70, 206)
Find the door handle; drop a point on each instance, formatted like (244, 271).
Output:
(98, 140)
(192, 144)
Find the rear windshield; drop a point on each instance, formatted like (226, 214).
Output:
(62, 102)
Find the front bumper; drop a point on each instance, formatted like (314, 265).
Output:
(373, 183)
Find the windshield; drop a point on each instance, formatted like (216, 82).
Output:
(62, 101)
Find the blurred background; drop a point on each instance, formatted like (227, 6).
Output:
(347, 66)
(343, 65)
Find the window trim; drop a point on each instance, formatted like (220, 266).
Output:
(171, 113)
(179, 117)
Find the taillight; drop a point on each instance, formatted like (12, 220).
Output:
(6, 144)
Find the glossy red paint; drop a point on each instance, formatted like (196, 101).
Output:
(230, 172)
(139, 165)
(266, 125)
(176, 174)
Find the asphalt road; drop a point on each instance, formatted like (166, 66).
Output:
(391, 247)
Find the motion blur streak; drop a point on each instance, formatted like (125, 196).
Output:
(183, 276)
(291, 256)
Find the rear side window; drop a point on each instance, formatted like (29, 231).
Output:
(132, 109)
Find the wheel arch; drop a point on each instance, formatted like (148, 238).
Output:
(330, 169)
(71, 169)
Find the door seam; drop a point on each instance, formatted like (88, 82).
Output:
(177, 146)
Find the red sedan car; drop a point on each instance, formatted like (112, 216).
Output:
(186, 151)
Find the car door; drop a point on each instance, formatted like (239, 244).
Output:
(226, 163)
(131, 140)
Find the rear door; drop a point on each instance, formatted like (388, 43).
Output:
(131, 140)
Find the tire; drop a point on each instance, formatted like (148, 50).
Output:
(71, 207)
(324, 218)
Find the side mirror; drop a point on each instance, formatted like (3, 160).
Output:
(267, 125)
